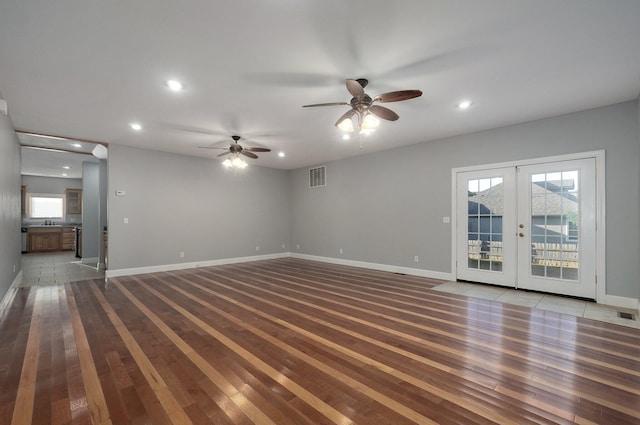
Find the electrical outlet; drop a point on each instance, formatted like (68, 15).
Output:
(416, 259)
(298, 246)
(283, 246)
(14, 268)
(340, 250)
(446, 220)
(181, 254)
(126, 220)
(257, 248)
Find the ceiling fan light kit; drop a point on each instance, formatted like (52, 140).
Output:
(236, 162)
(363, 124)
(236, 150)
(364, 113)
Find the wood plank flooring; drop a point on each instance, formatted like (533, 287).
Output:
(291, 341)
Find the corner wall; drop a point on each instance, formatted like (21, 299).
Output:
(10, 217)
(388, 207)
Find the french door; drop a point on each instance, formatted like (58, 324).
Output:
(530, 227)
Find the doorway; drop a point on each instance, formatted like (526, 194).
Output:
(531, 225)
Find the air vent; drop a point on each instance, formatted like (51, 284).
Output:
(317, 176)
(625, 315)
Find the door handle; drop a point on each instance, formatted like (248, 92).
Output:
(521, 234)
(521, 226)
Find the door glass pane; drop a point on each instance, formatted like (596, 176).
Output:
(485, 201)
(555, 225)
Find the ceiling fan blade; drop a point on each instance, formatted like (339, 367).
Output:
(355, 88)
(211, 147)
(396, 96)
(225, 153)
(346, 115)
(249, 154)
(257, 149)
(384, 113)
(325, 104)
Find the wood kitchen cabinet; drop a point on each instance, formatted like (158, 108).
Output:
(68, 239)
(74, 201)
(41, 239)
(44, 239)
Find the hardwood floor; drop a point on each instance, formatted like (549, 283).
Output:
(290, 341)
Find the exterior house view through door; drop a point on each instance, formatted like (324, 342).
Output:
(529, 226)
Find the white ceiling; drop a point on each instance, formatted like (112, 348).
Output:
(86, 69)
(53, 157)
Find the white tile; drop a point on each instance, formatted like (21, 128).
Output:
(454, 287)
(485, 292)
(522, 298)
(562, 305)
(610, 315)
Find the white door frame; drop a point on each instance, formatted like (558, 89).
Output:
(599, 157)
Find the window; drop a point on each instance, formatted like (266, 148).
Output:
(571, 231)
(46, 206)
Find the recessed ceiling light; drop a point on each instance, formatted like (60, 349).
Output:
(174, 85)
(465, 104)
(346, 137)
(66, 167)
(281, 154)
(135, 126)
(76, 145)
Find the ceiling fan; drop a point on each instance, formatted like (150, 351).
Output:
(364, 107)
(236, 150)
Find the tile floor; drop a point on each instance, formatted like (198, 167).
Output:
(52, 268)
(578, 308)
(59, 267)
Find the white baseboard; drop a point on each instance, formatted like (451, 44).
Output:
(610, 300)
(5, 298)
(193, 265)
(17, 281)
(375, 266)
(181, 266)
(622, 302)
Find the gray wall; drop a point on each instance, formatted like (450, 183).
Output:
(179, 203)
(53, 185)
(387, 207)
(91, 230)
(10, 217)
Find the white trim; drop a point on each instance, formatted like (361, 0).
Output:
(601, 229)
(181, 266)
(5, 298)
(622, 302)
(599, 155)
(17, 281)
(375, 266)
